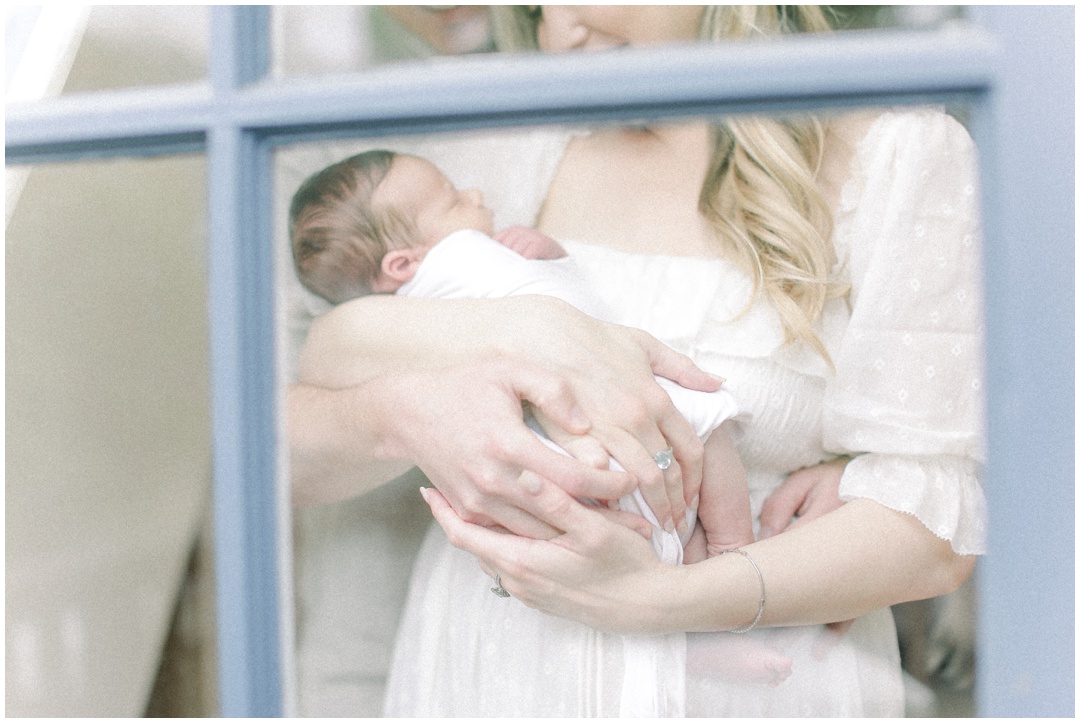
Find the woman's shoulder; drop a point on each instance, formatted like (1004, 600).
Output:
(910, 199)
(900, 132)
(882, 143)
(849, 129)
(918, 129)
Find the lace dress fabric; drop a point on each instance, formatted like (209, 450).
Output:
(905, 397)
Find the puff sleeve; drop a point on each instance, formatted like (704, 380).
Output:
(907, 397)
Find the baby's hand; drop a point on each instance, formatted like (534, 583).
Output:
(530, 243)
(695, 549)
(724, 506)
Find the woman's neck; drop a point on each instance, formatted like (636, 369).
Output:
(686, 136)
(634, 189)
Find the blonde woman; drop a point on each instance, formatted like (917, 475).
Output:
(829, 269)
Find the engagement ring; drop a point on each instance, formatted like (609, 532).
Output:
(664, 459)
(499, 589)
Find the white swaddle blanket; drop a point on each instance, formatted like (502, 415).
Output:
(470, 264)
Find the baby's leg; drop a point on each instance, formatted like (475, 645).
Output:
(724, 513)
(724, 509)
(739, 658)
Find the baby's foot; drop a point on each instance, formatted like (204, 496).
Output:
(736, 658)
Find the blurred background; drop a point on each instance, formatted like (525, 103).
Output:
(109, 598)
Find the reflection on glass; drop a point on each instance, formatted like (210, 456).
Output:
(108, 448)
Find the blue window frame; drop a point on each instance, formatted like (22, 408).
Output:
(1013, 68)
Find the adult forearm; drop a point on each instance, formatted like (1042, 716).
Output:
(858, 558)
(336, 450)
(337, 428)
(458, 372)
(376, 335)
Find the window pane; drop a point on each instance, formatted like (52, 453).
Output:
(351, 556)
(108, 441)
(315, 39)
(134, 45)
(105, 47)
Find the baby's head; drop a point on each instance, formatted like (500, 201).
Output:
(364, 224)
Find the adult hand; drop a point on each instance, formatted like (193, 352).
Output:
(600, 574)
(607, 369)
(610, 370)
(462, 426)
(805, 495)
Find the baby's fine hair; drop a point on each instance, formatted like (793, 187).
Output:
(338, 238)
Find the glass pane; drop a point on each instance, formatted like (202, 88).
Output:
(134, 45)
(314, 39)
(75, 49)
(108, 441)
(351, 557)
(868, 17)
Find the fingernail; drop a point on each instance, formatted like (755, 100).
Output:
(579, 420)
(682, 527)
(424, 493)
(669, 527)
(613, 504)
(696, 503)
(765, 531)
(716, 378)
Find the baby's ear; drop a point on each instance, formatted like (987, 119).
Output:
(397, 267)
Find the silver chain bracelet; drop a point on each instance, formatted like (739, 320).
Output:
(761, 582)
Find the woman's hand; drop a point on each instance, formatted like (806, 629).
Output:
(858, 558)
(462, 426)
(600, 574)
(606, 369)
(610, 370)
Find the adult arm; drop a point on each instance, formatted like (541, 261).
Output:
(905, 398)
(375, 349)
(858, 558)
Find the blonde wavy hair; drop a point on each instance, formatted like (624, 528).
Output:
(761, 193)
